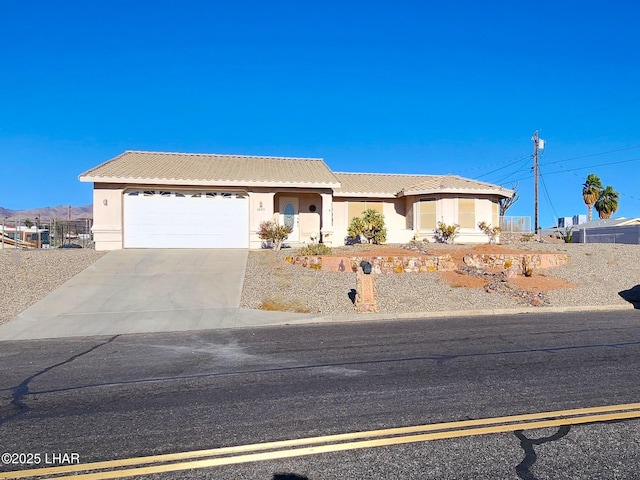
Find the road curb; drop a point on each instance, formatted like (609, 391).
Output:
(364, 317)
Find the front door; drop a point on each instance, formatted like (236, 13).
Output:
(289, 216)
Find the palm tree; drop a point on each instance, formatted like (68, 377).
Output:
(591, 190)
(607, 203)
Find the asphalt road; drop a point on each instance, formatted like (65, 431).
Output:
(109, 398)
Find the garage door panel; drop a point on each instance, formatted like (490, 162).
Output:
(186, 221)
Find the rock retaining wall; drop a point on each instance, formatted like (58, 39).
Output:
(512, 263)
(515, 263)
(379, 265)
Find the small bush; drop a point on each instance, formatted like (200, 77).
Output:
(370, 225)
(446, 233)
(491, 232)
(315, 249)
(274, 233)
(567, 236)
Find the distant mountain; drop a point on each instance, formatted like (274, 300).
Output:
(48, 213)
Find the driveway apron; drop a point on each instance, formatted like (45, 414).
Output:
(134, 291)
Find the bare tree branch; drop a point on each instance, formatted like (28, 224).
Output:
(506, 203)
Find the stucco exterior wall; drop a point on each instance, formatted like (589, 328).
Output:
(402, 215)
(309, 211)
(309, 221)
(260, 210)
(393, 210)
(340, 224)
(107, 216)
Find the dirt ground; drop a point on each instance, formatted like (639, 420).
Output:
(538, 282)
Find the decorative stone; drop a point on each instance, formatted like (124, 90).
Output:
(471, 260)
(446, 264)
(365, 293)
(511, 272)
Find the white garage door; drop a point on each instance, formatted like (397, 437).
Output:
(171, 219)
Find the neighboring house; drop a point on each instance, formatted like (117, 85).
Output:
(178, 200)
(610, 230)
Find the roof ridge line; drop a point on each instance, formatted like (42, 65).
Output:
(400, 174)
(221, 155)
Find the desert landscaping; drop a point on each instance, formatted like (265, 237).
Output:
(593, 275)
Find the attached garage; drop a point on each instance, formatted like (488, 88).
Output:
(185, 219)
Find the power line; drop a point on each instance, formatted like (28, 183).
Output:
(577, 176)
(527, 157)
(504, 179)
(502, 168)
(594, 155)
(585, 168)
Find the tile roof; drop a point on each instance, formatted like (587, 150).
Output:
(378, 184)
(391, 185)
(454, 184)
(204, 169)
(164, 168)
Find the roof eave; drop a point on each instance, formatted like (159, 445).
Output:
(467, 191)
(204, 182)
(365, 194)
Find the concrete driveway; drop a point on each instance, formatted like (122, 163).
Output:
(135, 291)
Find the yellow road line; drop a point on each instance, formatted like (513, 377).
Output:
(443, 431)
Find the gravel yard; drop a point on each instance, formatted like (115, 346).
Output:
(599, 271)
(27, 276)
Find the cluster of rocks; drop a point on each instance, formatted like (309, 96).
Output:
(499, 283)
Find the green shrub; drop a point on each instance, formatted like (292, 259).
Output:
(370, 225)
(314, 249)
(567, 236)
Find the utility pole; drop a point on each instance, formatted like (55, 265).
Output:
(535, 181)
(538, 144)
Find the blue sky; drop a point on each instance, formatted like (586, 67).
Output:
(392, 87)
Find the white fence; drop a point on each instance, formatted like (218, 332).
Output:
(515, 224)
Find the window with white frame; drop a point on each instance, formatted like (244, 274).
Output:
(467, 212)
(427, 214)
(356, 209)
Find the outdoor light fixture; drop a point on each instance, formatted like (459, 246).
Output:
(105, 202)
